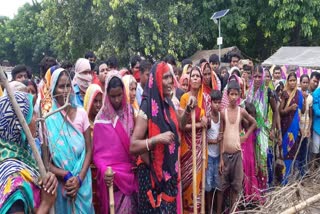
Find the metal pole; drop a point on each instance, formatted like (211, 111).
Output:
(219, 42)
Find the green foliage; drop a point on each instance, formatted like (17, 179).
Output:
(68, 28)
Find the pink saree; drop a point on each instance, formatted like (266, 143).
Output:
(111, 143)
(250, 182)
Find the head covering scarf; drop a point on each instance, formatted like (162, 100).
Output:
(45, 93)
(161, 118)
(11, 132)
(127, 81)
(185, 68)
(184, 77)
(215, 81)
(108, 113)
(91, 94)
(68, 152)
(81, 79)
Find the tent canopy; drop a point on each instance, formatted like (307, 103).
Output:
(300, 56)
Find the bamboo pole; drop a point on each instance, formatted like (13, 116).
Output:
(111, 194)
(194, 161)
(301, 206)
(204, 158)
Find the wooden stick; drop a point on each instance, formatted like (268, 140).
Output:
(23, 123)
(194, 161)
(204, 158)
(111, 194)
(301, 206)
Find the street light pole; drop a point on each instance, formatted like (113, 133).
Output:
(216, 17)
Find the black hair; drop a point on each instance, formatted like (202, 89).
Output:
(280, 85)
(233, 85)
(197, 69)
(315, 74)
(90, 54)
(29, 72)
(202, 61)
(66, 64)
(186, 62)
(303, 76)
(250, 108)
(214, 58)
(259, 69)
(277, 68)
(134, 60)
(115, 82)
(112, 62)
(97, 67)
(247, 68)
(215, 95)
(267, 70)
(170, 59)
(31, 82)
(145, 65)
(292, 74)
(46, 63)
(18, 69)
(234, 54)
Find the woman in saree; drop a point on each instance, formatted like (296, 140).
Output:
(21, 188)
(292, 101)
(184, 82)
(262, 99)
(156, 140)
(202, 111)
(210, 79)
(111, 136)
(187, 69)
(92, 105)
(69, 140)
(130, 85)
(93, 102)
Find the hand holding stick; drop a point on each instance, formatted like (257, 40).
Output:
(111, 194)
(194, 161)
(204, 158)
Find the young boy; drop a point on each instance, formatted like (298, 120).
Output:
(231, 167)
(213, 139)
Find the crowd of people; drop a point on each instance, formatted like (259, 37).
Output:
(259, 125)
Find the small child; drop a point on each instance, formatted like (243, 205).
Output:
(214, 137)
(231, 167)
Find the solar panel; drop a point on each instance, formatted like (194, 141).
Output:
(219, 14)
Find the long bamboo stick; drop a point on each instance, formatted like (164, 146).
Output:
(204, 158)
(301, 206)
(111, 194)
(194, 161)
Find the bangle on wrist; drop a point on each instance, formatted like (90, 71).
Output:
(147, 144)
(67, 176)
(80, 181)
